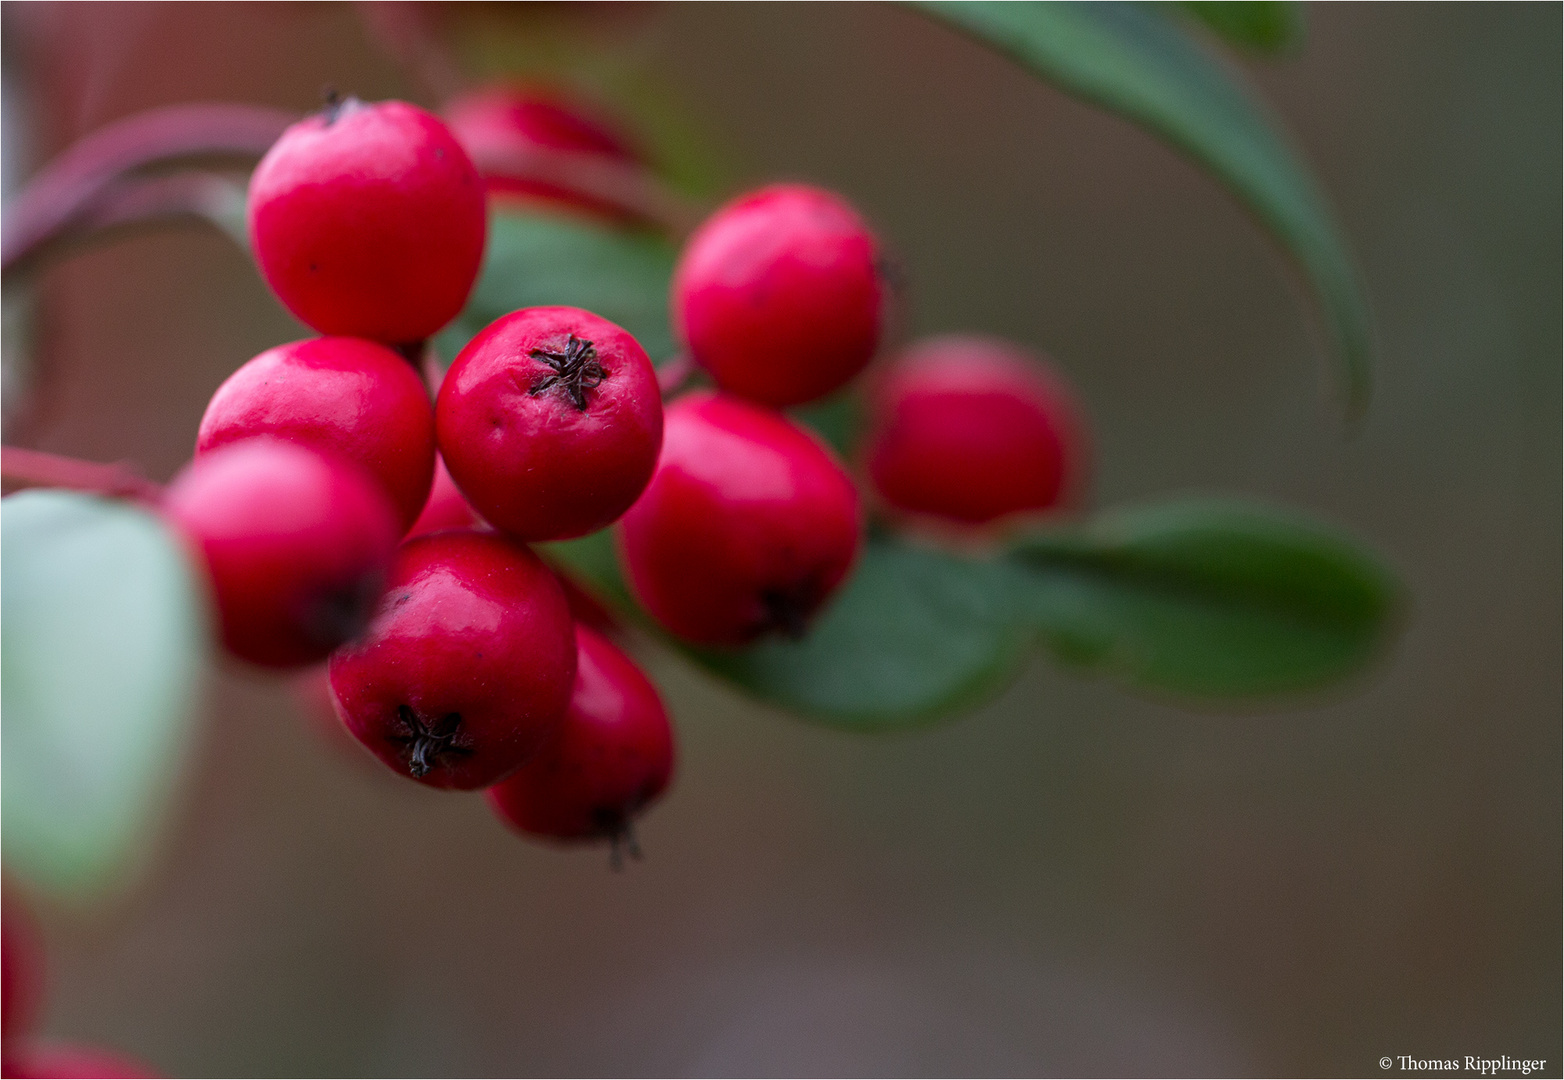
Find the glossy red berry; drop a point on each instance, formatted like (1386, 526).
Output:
(65, 1061)
(550, 421)
(973, 429)
(368, 220)
(446, 509)
(467, 665)
(296, 544)
(607, 761)
(778, 295)
(504, 128)
(348, 396)
(748, 526)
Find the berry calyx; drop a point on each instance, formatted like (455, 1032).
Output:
(550, 421)
(779, 295)
(748, 526)
(973, 429)
(467, 665)
(351, 397)
(368, 220)
(576, 370)
(296, 544)
(606, 762)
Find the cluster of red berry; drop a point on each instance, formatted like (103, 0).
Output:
(339, 512)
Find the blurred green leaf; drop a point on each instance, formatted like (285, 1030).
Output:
(914, 635)
(103, 655)
(538, 259)
(1210, 599)
(1262, 26)
(1142, 63)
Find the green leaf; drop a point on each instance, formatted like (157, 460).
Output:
(1141, 63)
(103, 655)
(914, 635)
(1262, 26)
(537, 259)
(1210, 599)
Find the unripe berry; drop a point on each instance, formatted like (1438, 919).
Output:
(748, 526)
(351, 397)
(368, 220)
(467, 665)
(550, 421)
(609, 758)
(973, 429)
(778, 295)
(65, 1061)
(296, 544)
(446, 509)
(503, 127)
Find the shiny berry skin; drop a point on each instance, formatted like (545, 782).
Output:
(748, 526)
(502, 127)
(446, 508)
(550, 421)
(348, 396)
(973, 429)
(467, 665)
(66, 1061)
(779, 296)
(608, 760)
(296, 545)
(368, 220)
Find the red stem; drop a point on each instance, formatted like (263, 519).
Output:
(74, 185)
(21, 468)
(628, 186)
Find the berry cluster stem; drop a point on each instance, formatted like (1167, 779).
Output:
(35, 468)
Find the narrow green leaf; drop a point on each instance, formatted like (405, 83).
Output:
(1139, 62)
(537, 259)
(1210, 599)
(1261, 26)
(103, 654)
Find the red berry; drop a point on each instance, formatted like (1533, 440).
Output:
(612, 755)
(550, 421)
(748, 525)
(467, 665)
(972, 429)
(21, 972)
(63, 1061)
(446, 508)
(296, 544)
(349, 396)
(369, 220)
(503, 128)
(778, 295)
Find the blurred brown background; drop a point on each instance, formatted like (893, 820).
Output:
(1070, 880)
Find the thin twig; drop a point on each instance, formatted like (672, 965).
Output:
(77, 182)
(628, 186)
(22, 468)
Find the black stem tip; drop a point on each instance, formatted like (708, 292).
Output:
(576, 368)
(428, 743)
